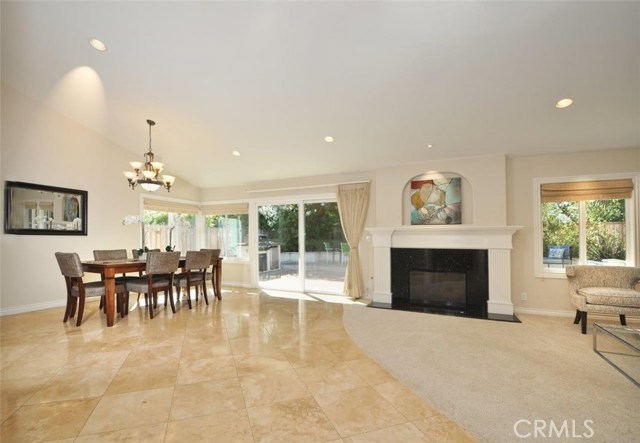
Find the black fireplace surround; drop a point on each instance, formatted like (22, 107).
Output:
(447, 280)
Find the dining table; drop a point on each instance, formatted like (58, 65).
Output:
(108, 269)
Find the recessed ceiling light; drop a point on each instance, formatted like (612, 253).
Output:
(564, 103)
(329, 139)
(236, 153)
(429, 146)
(97, 44)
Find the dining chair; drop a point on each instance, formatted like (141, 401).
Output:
(136, 256)
(71, 268)
(111, 254)
(215, 254)
(160, 270)
(134, 252)
(195, 274)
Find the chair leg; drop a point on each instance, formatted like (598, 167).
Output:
(173, 305)
(188, 289)
(583, 321)
(125, 303)
(577, 319)
(74, 306)
(204, 291)
(67, 310)
(121, 300)
(80, 309)
(149, 297)
(623, 320)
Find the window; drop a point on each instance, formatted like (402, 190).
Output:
(164, 229)
(229, 233)
(585, 222)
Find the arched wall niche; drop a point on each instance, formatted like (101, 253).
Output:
(465, 188)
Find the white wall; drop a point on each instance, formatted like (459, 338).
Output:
(549, 294)
(41, 146)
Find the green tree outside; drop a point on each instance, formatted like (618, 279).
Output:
(605, 228)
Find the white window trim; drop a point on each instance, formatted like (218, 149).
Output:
(631, 216)
(227, 259)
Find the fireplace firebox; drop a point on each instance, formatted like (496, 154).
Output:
(449, 280)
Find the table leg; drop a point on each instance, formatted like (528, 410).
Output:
(110, 293)
(218, 280)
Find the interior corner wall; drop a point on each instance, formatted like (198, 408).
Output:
(486, 176)
(44, 147)
(549, 295)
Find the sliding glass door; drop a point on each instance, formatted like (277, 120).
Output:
(325, 259)
(301, 247)
(278, 250)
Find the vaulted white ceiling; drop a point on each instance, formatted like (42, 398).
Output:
(385, 79)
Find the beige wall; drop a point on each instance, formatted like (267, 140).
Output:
(549, 294)
(41, 146)
(484, 193)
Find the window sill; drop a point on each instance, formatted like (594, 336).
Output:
(235, 260)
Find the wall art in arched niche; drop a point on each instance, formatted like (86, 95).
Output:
(436, 201)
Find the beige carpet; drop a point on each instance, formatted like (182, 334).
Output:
(487, 375)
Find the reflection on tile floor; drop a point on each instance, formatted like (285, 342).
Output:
(249, 368)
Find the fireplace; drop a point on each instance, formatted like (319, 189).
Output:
(445, 279)
(495, 241)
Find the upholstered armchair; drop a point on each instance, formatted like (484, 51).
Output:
(603, 290)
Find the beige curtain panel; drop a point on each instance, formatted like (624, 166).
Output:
(587, 190)
(353, 203)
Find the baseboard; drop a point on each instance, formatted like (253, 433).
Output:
(547, 312)
(33, 307)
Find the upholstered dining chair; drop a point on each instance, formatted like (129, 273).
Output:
(71, 268)
(160, 270)
(111, 254)
(195, 274)
(134, 252)
(215, 253)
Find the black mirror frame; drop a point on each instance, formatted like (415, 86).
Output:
(83, 210)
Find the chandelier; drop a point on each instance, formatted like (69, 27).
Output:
(147, 174)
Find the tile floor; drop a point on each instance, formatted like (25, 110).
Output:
(249, 368)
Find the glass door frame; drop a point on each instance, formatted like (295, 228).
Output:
(254, 229)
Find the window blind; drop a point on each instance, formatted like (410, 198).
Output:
(586, 190)
(222, 209)
(151, 204)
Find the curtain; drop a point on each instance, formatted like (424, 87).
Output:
(353, 203)
(586, 190)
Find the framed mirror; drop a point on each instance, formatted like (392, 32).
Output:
(31, 209)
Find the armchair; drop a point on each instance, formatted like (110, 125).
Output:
(603, 290)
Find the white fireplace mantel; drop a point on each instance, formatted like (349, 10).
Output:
(495, 239)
